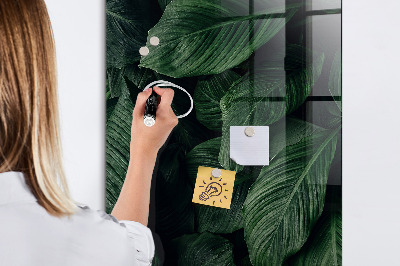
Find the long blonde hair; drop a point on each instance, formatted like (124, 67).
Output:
(29, 119)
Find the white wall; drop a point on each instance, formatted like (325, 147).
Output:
(371, 93)
(371, 132)
(79, 34)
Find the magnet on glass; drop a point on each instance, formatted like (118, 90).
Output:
(154, 41)
(144, 51)
(249, 131)
(216, 173)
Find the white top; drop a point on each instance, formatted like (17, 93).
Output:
(31, 236)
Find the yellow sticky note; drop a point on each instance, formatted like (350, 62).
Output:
(214, 187)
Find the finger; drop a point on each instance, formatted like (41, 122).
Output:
(141, 102)
(167, 95)
(158, 90)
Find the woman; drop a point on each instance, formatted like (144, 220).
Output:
(40, 223)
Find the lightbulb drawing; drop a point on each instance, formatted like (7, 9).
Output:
(213, 189)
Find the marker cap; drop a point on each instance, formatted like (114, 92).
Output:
(149, 121)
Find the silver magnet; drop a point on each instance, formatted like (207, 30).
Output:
(249, 131)
(154, 41)
(216, 172)
(144, 51)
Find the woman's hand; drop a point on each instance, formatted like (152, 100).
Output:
(133, 201)
(148, 140)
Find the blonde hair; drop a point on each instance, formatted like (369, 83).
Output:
(29, 119)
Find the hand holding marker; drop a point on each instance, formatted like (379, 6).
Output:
(148, 140)
(149, 118)
(151, 103)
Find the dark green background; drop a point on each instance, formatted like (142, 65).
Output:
(275, 63)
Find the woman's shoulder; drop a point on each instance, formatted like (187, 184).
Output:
(86, 213)
(99, 219)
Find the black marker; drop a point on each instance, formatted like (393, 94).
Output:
(150, 110)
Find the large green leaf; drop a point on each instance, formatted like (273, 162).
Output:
(272, 90)
(110, 102)
(127, 23)
(206, 154)
(189, 132)
(267, 94)
(128, 78)
(118, 136)
(219, 220)
(203, 249)
(324, 246)
(174, 212)
(110, 105)
(287, 199)
(203, 37)
(139, 76)
(289, 131)
(207, 95)
(116, 81)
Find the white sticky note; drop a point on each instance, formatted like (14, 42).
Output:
(249, 149)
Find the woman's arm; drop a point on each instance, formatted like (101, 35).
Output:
(133, 201)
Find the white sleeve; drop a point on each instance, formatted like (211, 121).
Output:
(143, 238)
(140, 236)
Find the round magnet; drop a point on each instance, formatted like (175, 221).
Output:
(154, 41)
(249, 131)
(216, 173)
(144, 51)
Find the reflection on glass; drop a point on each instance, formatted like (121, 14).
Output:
(323, 4)
(325, 37)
